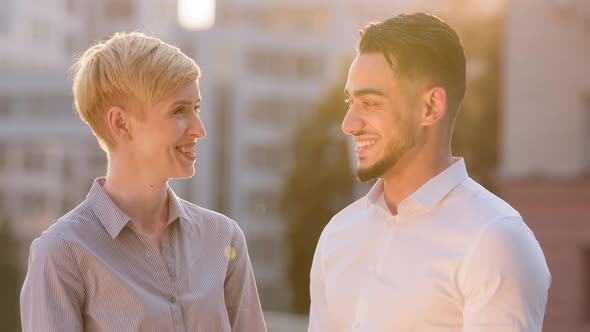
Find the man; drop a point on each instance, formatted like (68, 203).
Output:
(427, 249)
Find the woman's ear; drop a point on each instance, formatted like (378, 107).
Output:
(435, 102)
(119, 124)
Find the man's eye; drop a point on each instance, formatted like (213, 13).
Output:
(370, 103)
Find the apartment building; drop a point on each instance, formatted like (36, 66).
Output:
(545, 144)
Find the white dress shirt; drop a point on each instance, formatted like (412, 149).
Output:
(454, 258)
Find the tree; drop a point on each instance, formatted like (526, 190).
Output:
(10, 279)
(319, 185)
(476, 133)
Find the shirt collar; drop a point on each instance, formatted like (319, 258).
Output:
(376, 191)
(176, 209)
(114, 219)
(434, 190)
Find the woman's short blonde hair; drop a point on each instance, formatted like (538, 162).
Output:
(129, 70)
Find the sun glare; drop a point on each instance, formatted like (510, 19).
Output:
(196, 14)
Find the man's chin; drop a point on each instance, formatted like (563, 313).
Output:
(374, 171)
(366, 174)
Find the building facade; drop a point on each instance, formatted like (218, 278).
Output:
(545, 144)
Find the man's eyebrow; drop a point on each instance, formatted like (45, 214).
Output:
(364, 92)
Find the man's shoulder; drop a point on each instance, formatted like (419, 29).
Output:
(349, 213)
(479, 200)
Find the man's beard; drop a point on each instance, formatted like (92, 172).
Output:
(395, 150)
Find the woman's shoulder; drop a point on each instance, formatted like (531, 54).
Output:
(69, 226)
(203, 217)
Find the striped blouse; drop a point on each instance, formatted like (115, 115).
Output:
(94, 271)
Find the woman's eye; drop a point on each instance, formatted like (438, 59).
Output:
(179, 111)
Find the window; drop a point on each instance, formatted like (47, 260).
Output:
(228, 16)
(5, 106)
(267, 157)
(318, 20)
(278, 111)
(285, 64)
(33, 159)
(3, 205)
(586, 132)
(120, 9)
(70, 6)
(262, 203)
(269, 111)
(70, 45)
(6, 15)
(290, 20)
(67, 204)
(309, 66)
(3, 156)
(265, 248)
(34, 202)
(67, 171)
(223, 97)
(97, 163)
(39, 31)
(270, 64)
(586, 284)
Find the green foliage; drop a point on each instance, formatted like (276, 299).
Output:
(319, 185)
(10, 279)
(476, 133)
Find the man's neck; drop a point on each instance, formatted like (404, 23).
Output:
(410, 173)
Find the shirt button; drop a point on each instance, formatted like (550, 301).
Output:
(172, 299)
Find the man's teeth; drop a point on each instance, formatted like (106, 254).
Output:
(364, 143)
(187, 149)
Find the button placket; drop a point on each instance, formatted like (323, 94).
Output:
(162, 264)
(383, 249)
(169, 259)
(154, 259)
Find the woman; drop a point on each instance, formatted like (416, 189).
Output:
(133, 256)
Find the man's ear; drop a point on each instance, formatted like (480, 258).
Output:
(119, 124)
(435, 106)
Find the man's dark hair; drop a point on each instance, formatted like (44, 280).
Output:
(423, 47)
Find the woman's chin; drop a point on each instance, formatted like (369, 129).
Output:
(185, 173)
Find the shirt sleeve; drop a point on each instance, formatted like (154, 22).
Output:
(505, 281)
(319, 320)
(241, 294)
(52, 295)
